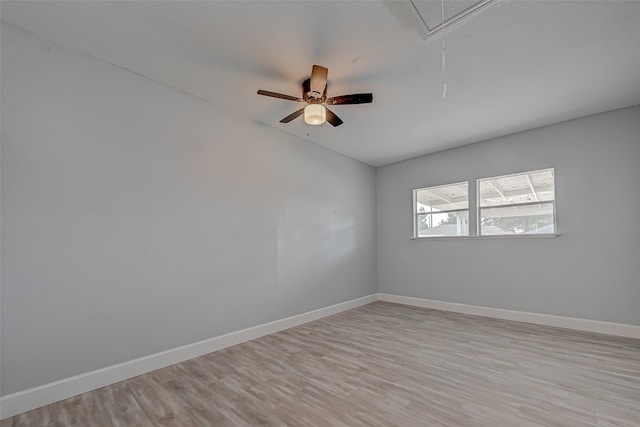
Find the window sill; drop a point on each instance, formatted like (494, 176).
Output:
(490, 237)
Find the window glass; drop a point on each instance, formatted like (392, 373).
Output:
(442, 210)
(521, 203)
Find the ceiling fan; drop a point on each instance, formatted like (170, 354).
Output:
(314, 93)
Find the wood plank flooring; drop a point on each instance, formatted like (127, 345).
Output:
(381, 364)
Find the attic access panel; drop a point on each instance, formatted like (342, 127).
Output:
(455, 11)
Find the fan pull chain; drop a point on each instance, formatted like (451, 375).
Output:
(444, 55)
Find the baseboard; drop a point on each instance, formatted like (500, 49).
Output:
(36, 397)
(619, 329)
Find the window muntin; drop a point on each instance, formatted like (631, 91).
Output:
(522, 203)
(442, 210)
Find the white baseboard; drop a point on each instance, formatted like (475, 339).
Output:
(619, 329)
(36, 397)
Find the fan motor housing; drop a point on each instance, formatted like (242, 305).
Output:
(310, 96)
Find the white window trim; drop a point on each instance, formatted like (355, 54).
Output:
(414, 208)
(490, 237)
(478, 207)
(477, 235)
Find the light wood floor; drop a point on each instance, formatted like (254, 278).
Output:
(381, 365)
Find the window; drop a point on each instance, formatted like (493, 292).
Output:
(441, 211)
(522, 203)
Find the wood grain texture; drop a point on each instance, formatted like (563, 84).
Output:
(382, 364)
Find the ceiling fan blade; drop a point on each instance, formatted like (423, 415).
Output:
(356, 98)
(319, 79)
(332, 118)
(292, 116)
(279, 95)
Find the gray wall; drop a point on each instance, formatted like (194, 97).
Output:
(591, 271)
(136, 218)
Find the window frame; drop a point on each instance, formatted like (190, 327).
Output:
(552, 202)
(415, 213)
(473, 196)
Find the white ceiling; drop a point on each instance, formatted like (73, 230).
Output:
(515, 66)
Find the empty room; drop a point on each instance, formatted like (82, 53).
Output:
(320, 213)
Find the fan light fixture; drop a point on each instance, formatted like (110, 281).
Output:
(315, 114)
